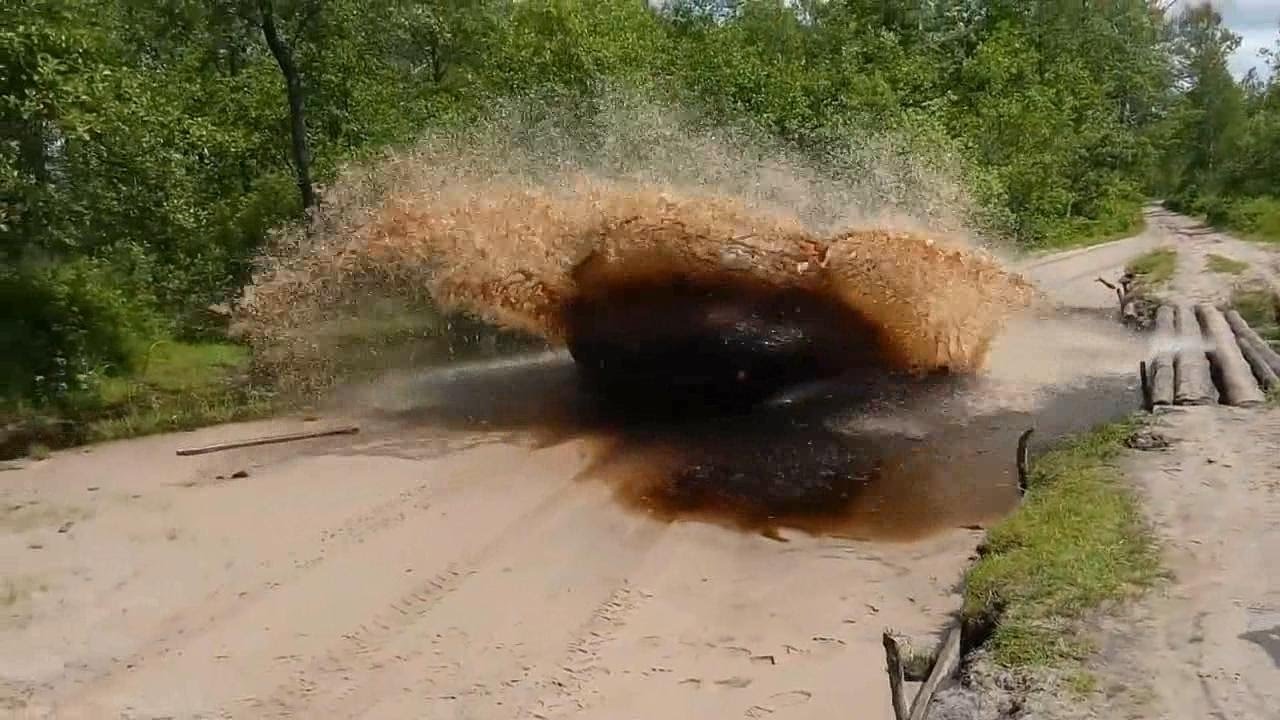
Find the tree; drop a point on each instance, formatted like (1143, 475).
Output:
(264, 12)
(1210, 114)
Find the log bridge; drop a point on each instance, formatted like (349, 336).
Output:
(1204, 356)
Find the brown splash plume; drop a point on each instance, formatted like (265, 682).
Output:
(519, 256)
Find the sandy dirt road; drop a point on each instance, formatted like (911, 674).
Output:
(423, 573)
(1206, 644)
(481, 582)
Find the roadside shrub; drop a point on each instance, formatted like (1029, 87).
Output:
(63, 326)
(1258, 216)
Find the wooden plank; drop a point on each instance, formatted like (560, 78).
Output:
(1024, 460)
(269, 440)
(1239, 388)
(944, 667)
(1162, 363)
(893, 662)
(1193, 383)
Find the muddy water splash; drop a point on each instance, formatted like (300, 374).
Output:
(885, 457)
(674, 282)
(603, 260)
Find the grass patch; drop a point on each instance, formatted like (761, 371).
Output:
(1077, 542)
(178, 386)
(1225, 265)
(1154, 268)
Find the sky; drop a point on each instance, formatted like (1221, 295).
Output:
(1257, 22)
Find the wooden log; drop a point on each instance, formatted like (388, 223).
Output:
(1144, 379)
(1024, 460)
(1239, 387)
(1193, 382)
(270, 440)
(1253, 354)
(944, 667)
(893, 662)
(1162, 363)
(1244, 332)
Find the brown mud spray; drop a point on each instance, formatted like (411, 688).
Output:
(665, 257)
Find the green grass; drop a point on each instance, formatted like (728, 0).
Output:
(1226, 265)
(1078, 541)
(1154, 268)
(177, 386)
(179, 367)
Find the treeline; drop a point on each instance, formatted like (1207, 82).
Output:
(150, 145)
(1221, 156)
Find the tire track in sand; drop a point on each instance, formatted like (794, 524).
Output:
(373, 659)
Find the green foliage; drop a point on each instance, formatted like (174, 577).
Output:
(1077, 542)
(68, 324)
(148, 145)
(1255, 217)
(1222, 152)
(174, 386)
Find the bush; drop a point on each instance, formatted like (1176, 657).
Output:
(1258, 216)
(71, 324)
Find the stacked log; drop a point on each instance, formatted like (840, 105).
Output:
(1193, 382)
(1202, 355)
(1238, 385)
(1162, 382)
(1261, 358)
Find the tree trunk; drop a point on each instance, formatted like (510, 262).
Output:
(283, 54)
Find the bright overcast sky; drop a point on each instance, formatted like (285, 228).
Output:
(1257, 22)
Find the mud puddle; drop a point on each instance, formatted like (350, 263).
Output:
(890, 458)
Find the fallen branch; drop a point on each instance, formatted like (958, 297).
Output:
(1127, 297)
(944, 666)
(270, 440)
(893, 661)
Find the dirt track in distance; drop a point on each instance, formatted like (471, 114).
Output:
(1206, 644)
(422, 571)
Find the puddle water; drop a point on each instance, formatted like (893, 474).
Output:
(893, 458)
